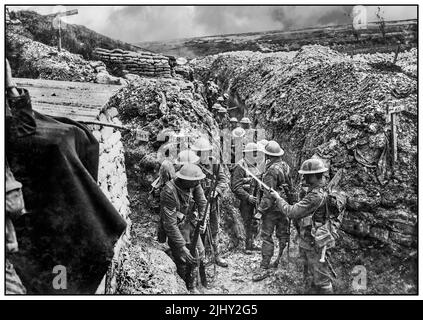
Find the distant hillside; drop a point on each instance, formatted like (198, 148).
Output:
(76, 38)
(378, 37)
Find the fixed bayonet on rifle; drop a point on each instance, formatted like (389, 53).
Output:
(261, 183)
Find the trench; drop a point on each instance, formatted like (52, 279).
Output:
(385, 272)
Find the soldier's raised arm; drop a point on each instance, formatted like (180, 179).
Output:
(300, 210)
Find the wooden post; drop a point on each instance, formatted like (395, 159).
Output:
(396, 53)
(59, 44)
(392, 117)
(57, 19)
(394, 137)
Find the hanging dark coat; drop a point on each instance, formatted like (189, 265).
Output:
(70, 223)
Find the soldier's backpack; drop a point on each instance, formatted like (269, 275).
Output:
(326, 233)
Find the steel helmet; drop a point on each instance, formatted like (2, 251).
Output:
(220, 99)
(217, 106)
(190, 172)
(222, 110)
(201, 144)
(273, 149)
(245, 120)
(262, 144)
(238, 132)
(233, 119)
(311, 166)
(251, 147)
(187, 156)
(225, 95)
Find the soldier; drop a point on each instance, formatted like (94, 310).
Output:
(262, 145)
(14, 201)
(310, 210)
(245, 123)
(167, 172)
(179, 219)
(276, 176)
(208, 164)
(215, 108)
(222, 118)
(237, 134)
(212, 92)
(233, 123)
(247, 191)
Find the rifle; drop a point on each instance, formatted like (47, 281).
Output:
(200, 222)
(269, 189)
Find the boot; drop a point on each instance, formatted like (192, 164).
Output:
(248, 246)
(191, 281)
(278, 259)
(219, 261)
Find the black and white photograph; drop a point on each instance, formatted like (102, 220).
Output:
(210, 150)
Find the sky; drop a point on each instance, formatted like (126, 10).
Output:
(157, 23)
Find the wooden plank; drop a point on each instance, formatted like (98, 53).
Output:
(66, 109)
(75, 100)
(394, 137)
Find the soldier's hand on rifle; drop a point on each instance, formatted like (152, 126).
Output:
(186, 256)
(252, 200)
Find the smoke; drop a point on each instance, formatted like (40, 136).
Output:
(156, 23)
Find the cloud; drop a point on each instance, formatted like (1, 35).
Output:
(156, 23)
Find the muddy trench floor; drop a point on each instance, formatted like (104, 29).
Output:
(385, 274)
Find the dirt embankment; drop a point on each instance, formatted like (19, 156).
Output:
(317, 101)
(32, 59)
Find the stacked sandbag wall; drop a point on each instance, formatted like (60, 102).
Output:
(113, 182)
(145, 64)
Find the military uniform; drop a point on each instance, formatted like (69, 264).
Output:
(215, 204)
(243, 186)
(166, 173)
(277, 176)
(179, 221)
(310, 210)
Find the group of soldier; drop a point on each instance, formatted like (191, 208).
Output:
(192, 187)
